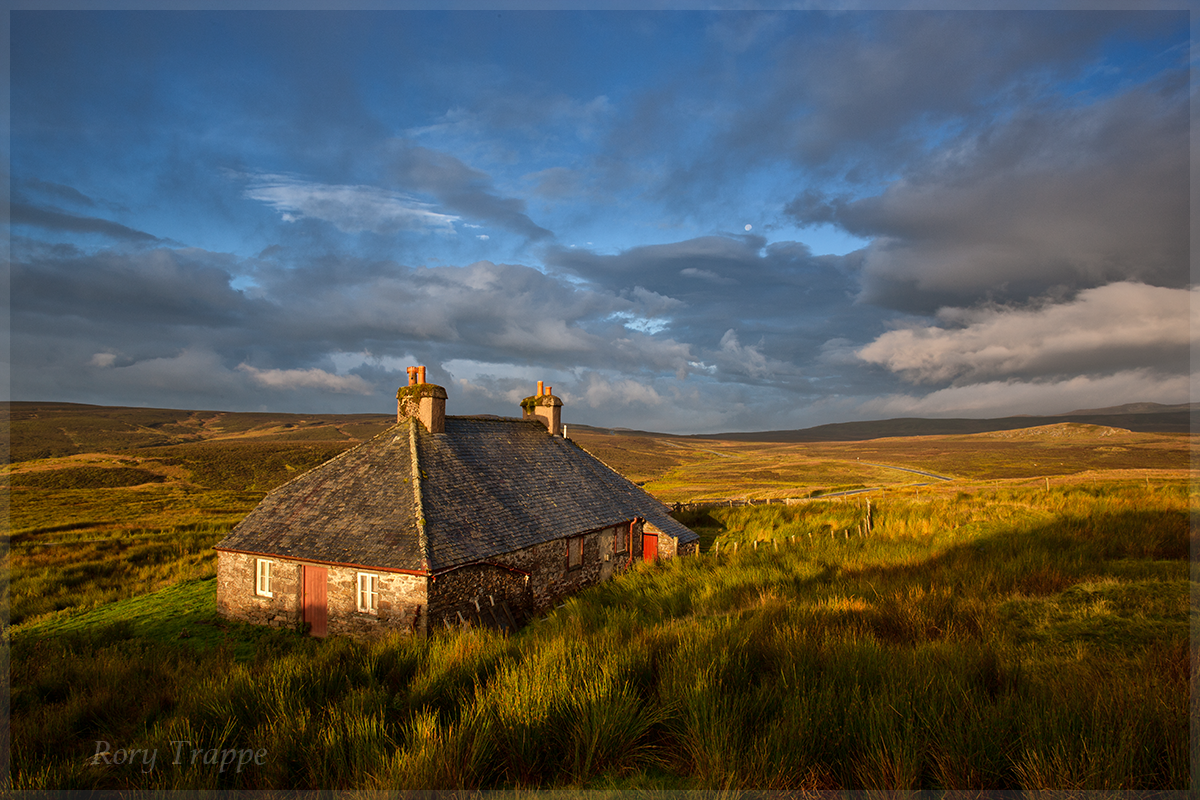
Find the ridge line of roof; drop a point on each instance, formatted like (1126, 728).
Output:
(422, 540)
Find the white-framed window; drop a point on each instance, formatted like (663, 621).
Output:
(575, 552)
(368, 593)
(262, 581)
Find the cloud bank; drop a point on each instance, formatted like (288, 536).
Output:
(1116, 327)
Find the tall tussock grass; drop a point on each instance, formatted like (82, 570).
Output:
(1004, 638)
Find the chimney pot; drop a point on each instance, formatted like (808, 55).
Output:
(425, 403)
(544, 407)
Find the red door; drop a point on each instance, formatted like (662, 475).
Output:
(314, 599)
(649, 546)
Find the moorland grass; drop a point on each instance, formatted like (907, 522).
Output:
(48, 430)
(993, 638)
(82, 535)
(723, 470)
(102, 553)
(247, 465)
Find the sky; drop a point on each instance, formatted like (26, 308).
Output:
(683, 221)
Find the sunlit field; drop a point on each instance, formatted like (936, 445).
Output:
(1022, 626)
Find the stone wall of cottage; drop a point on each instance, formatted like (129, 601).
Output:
(238, 599)
(532, 579)
(402, 604)
(460, 595)
(669, 546)
(402, 598)
(529, 581)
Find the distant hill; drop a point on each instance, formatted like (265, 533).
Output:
(1136, 408)
(47, 430)
(1137, 417)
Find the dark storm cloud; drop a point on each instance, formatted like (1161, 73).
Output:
(737, 294)
(865, 95)
(460, 188)
(50, 219)
(857, 97)
(1060, 199)
(177, 289)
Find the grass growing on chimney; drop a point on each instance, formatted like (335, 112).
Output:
(978, 638)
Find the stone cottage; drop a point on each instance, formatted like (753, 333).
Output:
(441, 521)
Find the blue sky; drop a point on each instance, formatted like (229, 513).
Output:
(684, 221)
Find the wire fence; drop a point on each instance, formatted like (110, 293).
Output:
(697, 505)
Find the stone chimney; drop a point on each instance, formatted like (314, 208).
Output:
(425, 402)
(544, 407)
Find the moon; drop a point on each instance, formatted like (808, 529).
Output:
(748, 227)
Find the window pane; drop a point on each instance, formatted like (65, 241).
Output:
(263, 581)
(368, 592)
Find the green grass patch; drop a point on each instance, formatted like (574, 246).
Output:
(55, 578)
(183, 613)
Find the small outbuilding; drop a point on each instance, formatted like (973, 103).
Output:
(441, 521)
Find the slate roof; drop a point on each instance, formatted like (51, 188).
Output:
(413, 500)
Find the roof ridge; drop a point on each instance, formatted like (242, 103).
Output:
(422, 540)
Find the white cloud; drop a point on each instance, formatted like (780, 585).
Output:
(736, 359)
(288, 379)
(601, 393)
(635, 322)
(103, 360)
(352, 209)
(1121, 325)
